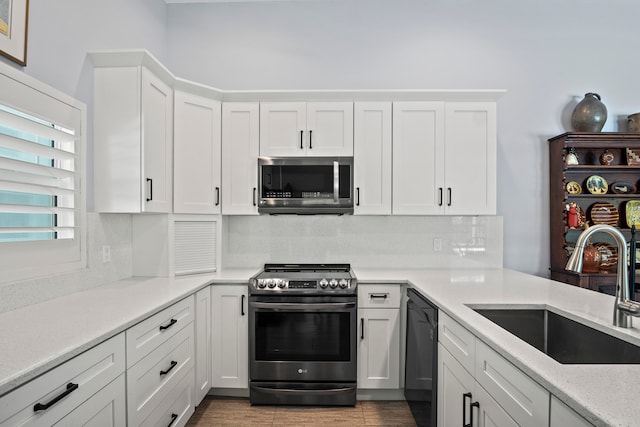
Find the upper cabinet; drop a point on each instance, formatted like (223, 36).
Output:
(240, 150)
(197, 150)
(306, 129)
(444, 158)
(372, 158)
(133, 140)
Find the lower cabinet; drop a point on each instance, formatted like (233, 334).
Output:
(476, 382)
(160, 378)
(379, 336)
(89, 388)
(106, 408)
(461, 400)
(229, 336)
(202, 367)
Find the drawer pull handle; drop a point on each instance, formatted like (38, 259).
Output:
(464, 409)
(174, 417)
(378, 296)
(171, 323)
(71, 387)
(173, 365)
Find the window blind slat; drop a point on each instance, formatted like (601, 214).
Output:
(23, 146)
(28, 209)
(34, 127)
(21, 187)
(35, 169)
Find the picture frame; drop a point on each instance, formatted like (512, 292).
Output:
(14, 23)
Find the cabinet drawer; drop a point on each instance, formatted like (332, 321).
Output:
(151, 380)
(106, 408)
(89, 371)
(460, 342)
(523, 399)
(147, 335)
(379, 296)
(176, 408)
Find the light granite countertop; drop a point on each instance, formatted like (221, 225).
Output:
(37, 338)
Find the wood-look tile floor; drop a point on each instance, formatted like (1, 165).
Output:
(215, 411)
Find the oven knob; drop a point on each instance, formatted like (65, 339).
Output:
(324, 283)
(261, 283)
(343, 283)
(333, 283)
(281, 283)
(271, 283)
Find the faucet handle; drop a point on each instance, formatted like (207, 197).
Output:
(630, 307)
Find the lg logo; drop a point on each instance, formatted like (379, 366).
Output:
(302, 371)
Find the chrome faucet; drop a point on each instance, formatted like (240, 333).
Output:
(624, 308)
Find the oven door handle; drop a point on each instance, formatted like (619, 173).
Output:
(302, 391)
(301, 306)
(336, 182)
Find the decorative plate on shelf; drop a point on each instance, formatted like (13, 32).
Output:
(604, 213)
(623, 188)
(608, 256)
(597, 185)
(574, 188)
(632, 209)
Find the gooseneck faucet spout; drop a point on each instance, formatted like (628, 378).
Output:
(624, 308)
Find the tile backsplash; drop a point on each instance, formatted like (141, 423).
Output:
(102, 229)
(364, 241)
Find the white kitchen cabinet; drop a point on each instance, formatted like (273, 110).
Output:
(505, 395)
(240, 151)
(563, 416)
(372, 158)
(197, 151)
(203, 344)
(379, 336)
(462, 401)
(306, 129)
(133, 141)
(68, 387)
(106, 408)
(444, 158)
(230, 336)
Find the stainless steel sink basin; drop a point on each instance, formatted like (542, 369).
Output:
(561, 338)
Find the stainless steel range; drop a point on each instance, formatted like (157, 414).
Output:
(302, 335)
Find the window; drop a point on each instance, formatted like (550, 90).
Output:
(42, 200)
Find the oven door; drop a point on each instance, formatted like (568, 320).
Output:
(303, 338)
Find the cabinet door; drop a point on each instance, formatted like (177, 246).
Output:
(489, 413)
(379, 348)
(157, 144)
(470, 158)
(563, 416)
(106, 408)
(203, 344)
(418, 158)
(240, 146)
(230, 336)
(330, 129)
(453, 382)
(197, 139)
(372, 158)
(283, 129)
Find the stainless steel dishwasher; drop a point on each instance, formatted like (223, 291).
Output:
(421, 369)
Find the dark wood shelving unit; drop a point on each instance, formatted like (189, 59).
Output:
(588, 147)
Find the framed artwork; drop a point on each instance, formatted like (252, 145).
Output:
(14, 18)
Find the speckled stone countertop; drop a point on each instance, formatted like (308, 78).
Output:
(37, 338)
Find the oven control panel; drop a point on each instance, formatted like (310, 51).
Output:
(290, 285)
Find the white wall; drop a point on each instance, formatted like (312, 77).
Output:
(546, 53)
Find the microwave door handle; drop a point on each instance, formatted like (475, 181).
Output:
(336, 181)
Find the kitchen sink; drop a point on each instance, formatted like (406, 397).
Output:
(563, 339)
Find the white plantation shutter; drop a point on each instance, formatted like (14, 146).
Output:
(41, 178)
(195, 247)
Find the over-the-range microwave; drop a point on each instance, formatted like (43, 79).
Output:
(305, 185)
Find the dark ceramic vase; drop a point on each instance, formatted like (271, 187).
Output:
(590, 114)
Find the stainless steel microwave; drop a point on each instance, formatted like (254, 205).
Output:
(305, 185)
